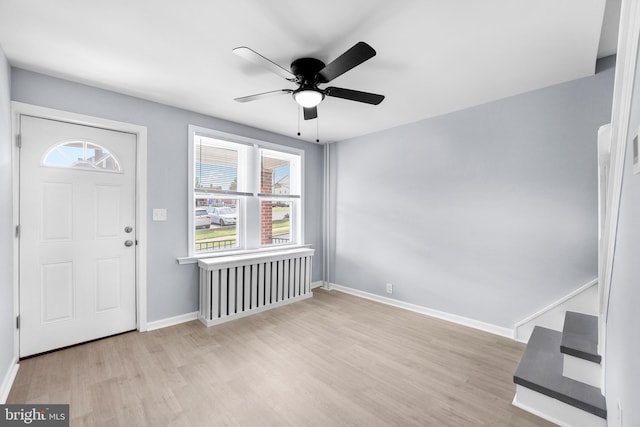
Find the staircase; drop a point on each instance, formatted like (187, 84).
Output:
(559, 376)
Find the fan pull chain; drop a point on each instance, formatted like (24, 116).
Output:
(317, 126)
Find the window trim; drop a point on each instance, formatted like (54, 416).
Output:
(246, 232)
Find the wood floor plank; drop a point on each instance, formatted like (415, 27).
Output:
(332, 360)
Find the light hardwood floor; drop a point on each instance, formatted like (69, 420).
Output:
(332, 360)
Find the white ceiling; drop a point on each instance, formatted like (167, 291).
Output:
(433, 56)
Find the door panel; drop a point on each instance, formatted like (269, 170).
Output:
(56, 224)
(77, 195)
(57, 291)
(108, 283)
(107, 221)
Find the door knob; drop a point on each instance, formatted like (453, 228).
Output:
(128, 229)
(128, 243)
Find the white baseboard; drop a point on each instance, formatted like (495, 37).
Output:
(229, 318)
(582, 300)
(7, 382)
(171, 321)
(454, 318)
(176, 320)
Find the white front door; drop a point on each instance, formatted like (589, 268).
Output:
(77, 234)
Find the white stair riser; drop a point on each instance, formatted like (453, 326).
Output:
(554, 410)
(582, 370)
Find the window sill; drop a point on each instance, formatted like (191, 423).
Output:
(195, 258)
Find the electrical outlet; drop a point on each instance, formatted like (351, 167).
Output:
(389, 288)
(159, 214)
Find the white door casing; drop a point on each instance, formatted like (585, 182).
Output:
(77, 277)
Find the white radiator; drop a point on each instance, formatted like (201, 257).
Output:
(236, 286)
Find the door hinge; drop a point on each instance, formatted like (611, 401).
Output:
(19, 141)
(18, 321)
(17, 230)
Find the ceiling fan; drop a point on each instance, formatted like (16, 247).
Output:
(308, 73)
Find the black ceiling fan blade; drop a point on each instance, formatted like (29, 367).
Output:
(310, 113)
(353, 57)
(262, 95)
(256, 58)
(354, 95)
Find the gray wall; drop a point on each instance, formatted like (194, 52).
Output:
(6, 223)
(623, 339)
(489, 213)
(172, 288)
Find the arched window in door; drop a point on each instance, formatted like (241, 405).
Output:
(81, 155)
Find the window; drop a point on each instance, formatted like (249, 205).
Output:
(219, 172)
(246, 194)
(279, 192)
(81, 155)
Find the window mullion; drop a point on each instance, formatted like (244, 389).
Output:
(252, 214)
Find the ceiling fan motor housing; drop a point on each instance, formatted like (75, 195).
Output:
(306, 70)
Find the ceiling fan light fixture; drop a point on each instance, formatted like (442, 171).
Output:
(308, 98)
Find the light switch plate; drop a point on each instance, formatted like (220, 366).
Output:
(159, 214)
